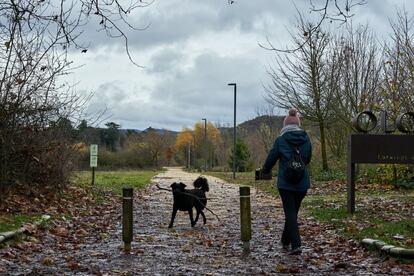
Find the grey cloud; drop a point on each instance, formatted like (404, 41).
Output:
(183, 89)
(166, 60)
(172, 21)
(189, 95)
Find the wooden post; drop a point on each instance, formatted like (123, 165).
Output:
(245, 217)
(350, 180)
(93, 176)
(127, 217)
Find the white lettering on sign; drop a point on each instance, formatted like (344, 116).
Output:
(94, 156)
(94, 149)
(94, 161)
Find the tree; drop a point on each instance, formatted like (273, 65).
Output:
(63, 21)
(209, 146)
(267, 132)
(328, 10)
(110, 135)
(156, 143)
(355, 62)
(82, 126)
(243, 163)
(34, 40)
(184, 145)
(301, 80)
(398, 68)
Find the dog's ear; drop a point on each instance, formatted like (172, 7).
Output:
(183, 185)
(173, 185)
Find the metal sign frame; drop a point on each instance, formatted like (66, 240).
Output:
(377, 149)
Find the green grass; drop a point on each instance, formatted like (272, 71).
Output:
(360, 225)
(247, 179)
(372, 219)
(115, 180)
(14, 222)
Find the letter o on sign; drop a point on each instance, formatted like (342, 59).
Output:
(405, 122)
(365, 121)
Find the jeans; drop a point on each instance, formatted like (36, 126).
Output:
(291, 203)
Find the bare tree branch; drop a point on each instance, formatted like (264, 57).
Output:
(330, 10)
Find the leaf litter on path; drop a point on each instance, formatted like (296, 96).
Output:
(89, 243)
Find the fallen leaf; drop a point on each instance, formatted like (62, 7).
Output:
(60, 231)
(73, 265)
(82, 232)
(47, 261)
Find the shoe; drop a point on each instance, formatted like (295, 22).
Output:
(296, 251)
(285, 246)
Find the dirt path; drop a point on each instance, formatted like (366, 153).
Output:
(211, 249)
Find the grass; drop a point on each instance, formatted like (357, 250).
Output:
(114, 181)
(14, 222)
(379, 213)
(359, 226)
(247, 179)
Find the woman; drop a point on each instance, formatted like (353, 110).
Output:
(291, 137)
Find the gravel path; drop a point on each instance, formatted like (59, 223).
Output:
(211, 249)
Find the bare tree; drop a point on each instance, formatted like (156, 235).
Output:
(398, 67)
(34, 40)
(328, 10)
(357, 58)
(66, 20)
(300, 79)
(266, 131)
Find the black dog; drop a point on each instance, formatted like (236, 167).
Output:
(185, 200)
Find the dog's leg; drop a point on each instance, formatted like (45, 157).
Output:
(204, 217)
(197, 215)
(172, 217)
(190, 213)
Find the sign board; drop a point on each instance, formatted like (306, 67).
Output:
(94, 161)
(378, 148)
(94, 156)
(382, 149)
(94, 149)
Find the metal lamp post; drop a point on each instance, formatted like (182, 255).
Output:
(234, 130)
(205, 143)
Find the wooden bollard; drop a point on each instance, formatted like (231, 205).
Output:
(127, 217)
(93, 176)
(245, 217)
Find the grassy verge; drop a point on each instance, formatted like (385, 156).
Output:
(382, 213)
(387, 217)
(247, 179)
(105, 181)
(113, 181)
(14, 222)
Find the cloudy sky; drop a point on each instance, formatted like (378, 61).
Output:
(191, 50)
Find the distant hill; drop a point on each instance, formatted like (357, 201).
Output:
(250, 126)
(160, 131)
(272, 121)
(157, 130)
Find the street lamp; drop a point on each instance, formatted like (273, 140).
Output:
(205, 143)
(234, 130)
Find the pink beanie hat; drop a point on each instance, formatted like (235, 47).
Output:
(292, 118)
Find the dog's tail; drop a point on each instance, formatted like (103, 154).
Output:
(201, 183)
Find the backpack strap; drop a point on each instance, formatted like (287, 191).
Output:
(294, 147)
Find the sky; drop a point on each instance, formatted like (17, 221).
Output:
(190, 51)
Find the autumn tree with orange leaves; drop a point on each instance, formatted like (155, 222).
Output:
(190, 145)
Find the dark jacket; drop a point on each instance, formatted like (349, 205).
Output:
(282, 151)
